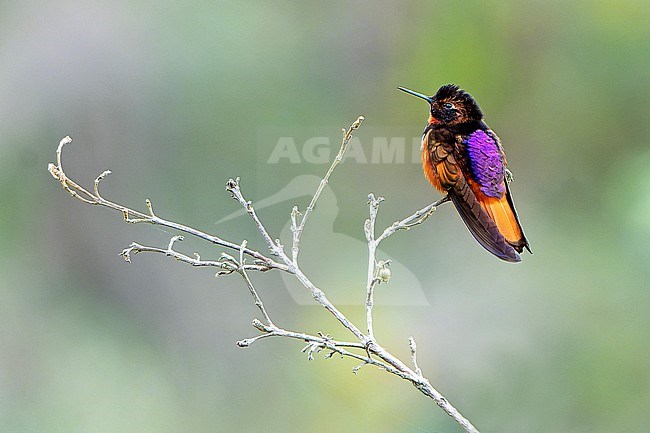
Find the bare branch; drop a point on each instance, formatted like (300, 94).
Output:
(414, 355)
(232, 186)
(277, 249)
(371, 280)
(297, 232)
(224, 265)
(295, 213)
(365, 349)
(412, 220)
(133, 216)
(99, 179)
(316, 344)
(258, 302)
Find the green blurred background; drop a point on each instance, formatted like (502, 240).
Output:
(176, 97)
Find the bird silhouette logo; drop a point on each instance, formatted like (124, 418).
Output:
(334, 261)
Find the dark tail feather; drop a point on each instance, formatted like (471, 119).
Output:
(480, 224)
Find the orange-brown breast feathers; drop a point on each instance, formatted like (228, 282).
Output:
(427, 164)
(439, 165)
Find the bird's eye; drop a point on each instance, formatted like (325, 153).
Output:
(449, 106)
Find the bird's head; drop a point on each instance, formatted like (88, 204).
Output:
(450, 105)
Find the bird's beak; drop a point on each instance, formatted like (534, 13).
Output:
(429, 99)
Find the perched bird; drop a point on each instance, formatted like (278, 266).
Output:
(463, 157)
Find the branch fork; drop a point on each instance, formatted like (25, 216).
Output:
(363, 347)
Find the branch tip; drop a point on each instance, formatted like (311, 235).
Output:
(54, 171)
(412, 345)
(245, 342)
(102, 175)
(259, 325)
(232, 184)
(355, 370)
(126, 252)
(170, 246)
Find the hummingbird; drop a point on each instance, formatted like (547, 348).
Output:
(463, 157)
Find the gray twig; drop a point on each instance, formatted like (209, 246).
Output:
(256, 298)
(133, 216)
(365, 349)
(372, 280)
(412, 220)
(277, 249)
(296, 228)
(414, 355)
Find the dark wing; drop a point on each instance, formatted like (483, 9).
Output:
(479, 223)
(447, 159)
